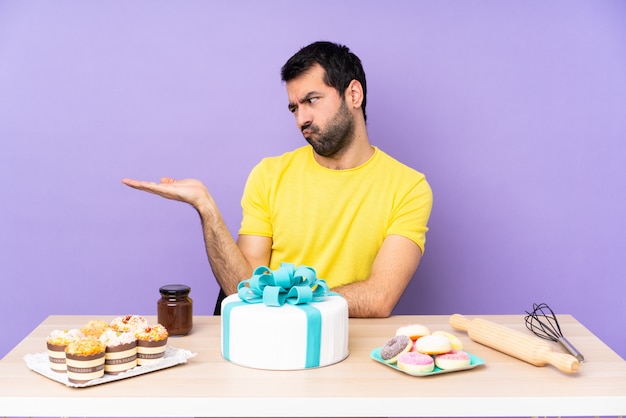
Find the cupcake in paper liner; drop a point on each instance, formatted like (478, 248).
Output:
(85, 360)
(129, 323)
(151, 343)
(121, 351)
(95, 328)
(56, 343)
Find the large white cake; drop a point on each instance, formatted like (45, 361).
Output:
(287, 337)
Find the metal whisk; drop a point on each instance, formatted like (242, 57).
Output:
(543, 323)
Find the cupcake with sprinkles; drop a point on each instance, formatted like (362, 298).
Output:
(85, 360)
(56, 342)
(151, 343)
(95, 328)
(129, 323)
(121, 351)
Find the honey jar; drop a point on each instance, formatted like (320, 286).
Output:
(175, 309)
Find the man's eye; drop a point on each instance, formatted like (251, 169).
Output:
(312, 100)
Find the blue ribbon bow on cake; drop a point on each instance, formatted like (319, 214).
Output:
(287, 284)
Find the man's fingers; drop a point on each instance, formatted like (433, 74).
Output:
(141, 185)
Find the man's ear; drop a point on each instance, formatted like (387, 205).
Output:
(354, 94)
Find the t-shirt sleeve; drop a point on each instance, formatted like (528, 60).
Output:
(412, 213)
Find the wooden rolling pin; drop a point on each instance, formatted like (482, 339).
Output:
(514, 343)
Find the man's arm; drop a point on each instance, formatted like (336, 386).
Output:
(393, 268)
(231, 262)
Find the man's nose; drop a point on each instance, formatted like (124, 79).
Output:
(303, 118)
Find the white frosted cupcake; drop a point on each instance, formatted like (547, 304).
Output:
(121, 351)
(151, 343)
(129, 323)
(56, 342)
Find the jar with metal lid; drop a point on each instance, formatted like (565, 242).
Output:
(175, 309)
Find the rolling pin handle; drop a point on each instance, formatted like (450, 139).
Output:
(564, 362)
(459, 322)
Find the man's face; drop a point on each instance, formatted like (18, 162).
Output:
(321, 114)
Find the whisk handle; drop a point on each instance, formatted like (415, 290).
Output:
(569, 347)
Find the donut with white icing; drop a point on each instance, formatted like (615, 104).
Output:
(432, 344)
(454, 340)
(413, 331)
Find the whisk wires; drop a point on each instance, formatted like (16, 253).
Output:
(543, 323)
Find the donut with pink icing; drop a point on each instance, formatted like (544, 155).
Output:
(394, 347)
(453, 360)
(415, 363)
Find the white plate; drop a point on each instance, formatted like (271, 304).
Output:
(173, 356)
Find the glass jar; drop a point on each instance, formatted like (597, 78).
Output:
(175, 309)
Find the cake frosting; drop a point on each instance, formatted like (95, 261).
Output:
(284, 320)
(129, 323)
(85, 347)
(95, 328)
(113, 338)
(155, 332)
(64, 337)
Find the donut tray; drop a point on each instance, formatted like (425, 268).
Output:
(474, 361)
(173, 356)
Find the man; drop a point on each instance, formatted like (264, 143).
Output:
(339, 204)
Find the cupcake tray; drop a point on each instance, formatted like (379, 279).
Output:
(474, 361)
(173, 356)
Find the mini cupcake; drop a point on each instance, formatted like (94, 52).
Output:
(151, 342)
(56, 342)
(129, 323)
(85, 360)
(95, 328)
(121, 351)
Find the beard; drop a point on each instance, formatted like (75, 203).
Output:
(337, 136)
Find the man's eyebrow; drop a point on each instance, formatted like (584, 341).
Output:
(292, 106)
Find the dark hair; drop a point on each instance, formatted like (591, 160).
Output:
(341, 66)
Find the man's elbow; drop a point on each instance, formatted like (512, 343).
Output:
(382, 309)
(382, 312)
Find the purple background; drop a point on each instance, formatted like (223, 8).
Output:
(516, 112)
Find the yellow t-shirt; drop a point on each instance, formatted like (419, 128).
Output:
(334, 220)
